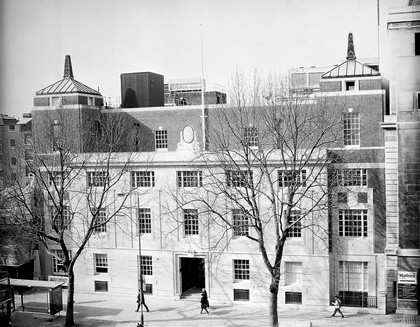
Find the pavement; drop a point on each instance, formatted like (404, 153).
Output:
(103, 309)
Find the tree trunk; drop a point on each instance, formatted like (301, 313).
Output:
(70, 299)
(274, 318)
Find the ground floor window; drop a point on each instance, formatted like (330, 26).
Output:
(240, 295)
(353, 283)
(293, 297)
(57, 261)
(148, 289)
(101, 286)
(146, 265)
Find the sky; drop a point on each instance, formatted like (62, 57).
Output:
(107, 37)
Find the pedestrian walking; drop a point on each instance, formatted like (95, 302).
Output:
(140, 301)
(337, 304)
(204, 301)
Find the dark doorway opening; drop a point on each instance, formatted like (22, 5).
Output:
(192, 273)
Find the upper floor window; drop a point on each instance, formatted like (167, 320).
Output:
(100, 222)
(288, 178)
(352, 223)
(12, 142)
(101, 263)
(351, 177)
(251, 136)
(12, 128)
(240, 222)
(161, 139)
(191, 221)
(96, 178)
(350, 85)
(189, 178)
(27, 139)
(293, 273)
(58, 262)
(351, 127)
(145, 220)
(55, 179)
(146, 265)
(60, 221)
(294, 224)
(239, 178)
(241, 269)
(144, 178)
(13, 161)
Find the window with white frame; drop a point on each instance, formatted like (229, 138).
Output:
(240, 269)
(352, 223)
(288, 178)
(295, 224)
(251, 136)
(96, 178)
(189, 178)
(293, 271)
(240, 221)
(351, 177)
(100, 221)
(239, 178)
(146, 265)
(144, 178)
(161, 139)
(55, 179)
(12, 143)
(191, 221)
(58, 262)
(351, 128)
(353, 276)
(101, 263)
(63, 220)
(145, 220)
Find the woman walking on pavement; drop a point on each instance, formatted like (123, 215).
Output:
(204, 301)
(140, 301)
(337, 304)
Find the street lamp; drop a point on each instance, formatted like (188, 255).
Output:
(140, 278)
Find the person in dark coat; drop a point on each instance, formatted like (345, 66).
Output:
(140, 301)
(337, 305)
(204, 301)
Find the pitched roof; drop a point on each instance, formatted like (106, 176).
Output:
(351, 67)
(68, 84)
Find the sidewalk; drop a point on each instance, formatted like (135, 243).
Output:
(97, 310)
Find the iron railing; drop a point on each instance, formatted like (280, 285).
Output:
(361, 300)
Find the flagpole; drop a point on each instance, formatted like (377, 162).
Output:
(202, 90)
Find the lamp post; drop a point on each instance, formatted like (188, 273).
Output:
(140, 278)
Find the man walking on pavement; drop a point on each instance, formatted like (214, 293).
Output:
(337, 304)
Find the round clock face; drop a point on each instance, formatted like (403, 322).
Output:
(188, 134)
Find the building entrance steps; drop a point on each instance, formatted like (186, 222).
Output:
(192, 294)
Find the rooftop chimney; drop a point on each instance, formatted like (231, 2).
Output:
(68, 70)
(350, 48)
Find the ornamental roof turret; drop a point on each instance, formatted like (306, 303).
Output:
(351, 67)
(68, 84)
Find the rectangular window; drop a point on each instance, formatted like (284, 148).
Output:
(148, 289)
(12, 143)
(352, 223)
(29, 155)
(189, 178)
(27, 139)
(251, 136)
(350, 85)
(240, 295)
(342, 197)
(293, 273)
(362, 197)
(351, 127)
(96, 178)
(295, 178)
(57, 262)
(351, 177)
(100, 219)
(161, 139)
(101, 286)
(240, 222)
(143, 179)
(146, 265)
(239, 178)
(353, 276)
(191, 221)
(295, 224)
(55, 179)
(241, 269)
(293, 297)
(145, 220)
(417, 44)
(13, 161)
(63, 221)
(101, 263)
(418, 99)
(12, 128)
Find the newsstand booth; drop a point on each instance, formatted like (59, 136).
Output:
(39, 295)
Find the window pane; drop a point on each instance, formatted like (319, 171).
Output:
(241, 269)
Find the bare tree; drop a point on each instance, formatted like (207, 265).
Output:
(265, 172)
(74, 171)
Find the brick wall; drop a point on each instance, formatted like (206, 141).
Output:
(370, 84)
(330, 86)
